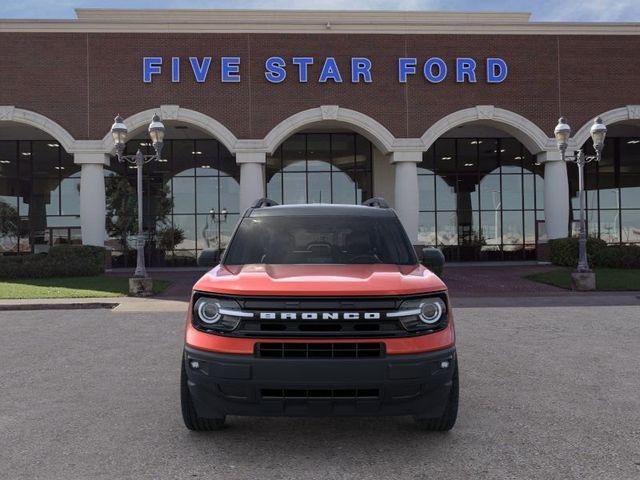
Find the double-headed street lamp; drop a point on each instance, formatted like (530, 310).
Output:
(156, 132)
(562, 133)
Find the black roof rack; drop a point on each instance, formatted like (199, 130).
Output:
(264, 202)
(377, 202)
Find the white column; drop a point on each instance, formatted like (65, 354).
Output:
(556, 194)
(92, 197)
(406, 199)
(251, 177)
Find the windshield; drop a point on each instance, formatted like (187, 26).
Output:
(313, 239)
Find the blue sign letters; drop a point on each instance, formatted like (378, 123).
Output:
(434, 69)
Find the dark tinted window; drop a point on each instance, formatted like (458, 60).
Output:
(313, 239)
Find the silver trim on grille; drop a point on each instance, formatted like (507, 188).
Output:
(235, 313)
(404, 313)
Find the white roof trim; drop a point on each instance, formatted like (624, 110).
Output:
(311, 21)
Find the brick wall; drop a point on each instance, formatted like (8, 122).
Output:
(82, 80)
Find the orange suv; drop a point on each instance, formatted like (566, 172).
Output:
(319, 310)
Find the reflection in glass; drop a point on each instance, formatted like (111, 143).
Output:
(320, 167)
(630, 222)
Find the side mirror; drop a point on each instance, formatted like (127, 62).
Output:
(433, 259)
(209, 258)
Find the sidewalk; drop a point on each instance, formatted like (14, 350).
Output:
(469, 286)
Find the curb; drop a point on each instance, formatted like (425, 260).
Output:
(57, 306)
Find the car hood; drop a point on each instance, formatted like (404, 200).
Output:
(319, 280)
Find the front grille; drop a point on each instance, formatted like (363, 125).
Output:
(326, 393)
(319, 350)
(382, 327)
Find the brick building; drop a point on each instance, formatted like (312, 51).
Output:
(449, 116)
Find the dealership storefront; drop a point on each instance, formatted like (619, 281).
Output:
(449, 117)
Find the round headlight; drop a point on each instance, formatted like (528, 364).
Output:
(431, 311)
(208, 310)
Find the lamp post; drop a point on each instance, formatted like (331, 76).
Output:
(562, 133)
(119, 133)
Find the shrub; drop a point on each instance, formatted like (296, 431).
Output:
(564, 251)
(61, 261)
(618, 256)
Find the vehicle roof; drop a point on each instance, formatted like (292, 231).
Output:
(320, 209)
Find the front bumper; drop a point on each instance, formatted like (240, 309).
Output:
(227, 384)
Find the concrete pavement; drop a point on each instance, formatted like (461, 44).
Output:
(546, 392)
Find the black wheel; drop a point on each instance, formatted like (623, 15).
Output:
(191, 419)
(448, 418)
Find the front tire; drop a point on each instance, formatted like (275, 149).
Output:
(189, 415)
(448, 418)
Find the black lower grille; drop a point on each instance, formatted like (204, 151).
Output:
(311, 394)
(320, 350)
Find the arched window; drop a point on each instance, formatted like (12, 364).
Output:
(321, 168)
(480, 198)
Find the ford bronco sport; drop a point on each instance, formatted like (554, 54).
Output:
(319, 310)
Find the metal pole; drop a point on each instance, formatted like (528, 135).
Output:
(583, 263)
(140, 268)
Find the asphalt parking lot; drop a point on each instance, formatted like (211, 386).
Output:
(549, 392)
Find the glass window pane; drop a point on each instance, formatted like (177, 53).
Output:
(512, 230)
(467, 192)
(8, 159)
(230, 194)
(631, 226)
(445, 194)
(488, 155)
(491, 224)
(445, 156)
(539, 192)
(426, 189)
(467, 151)
(188, 225)
(293, 153)
(45, 197)
(70, 196)
(320, 188)
(529, 227)
(511, 155)
(318, 152)
(207, 194)
(183, 190)
(8, 191)
(426, 166)
(274, 187)
(630, 191)
(343, 151)
(183, 157)
(427, 228)
(273, 164)
(67, 166)
(363, 153)
(46, 162)
(295, 188)
(208, 232)
(512, 192)
(468, 227)
(610, 226)
(629, 155)
(24, 160)
(490, 192)
(344, 188)
(529, 191)
(206, 157)
(364, 184)
(447, 228)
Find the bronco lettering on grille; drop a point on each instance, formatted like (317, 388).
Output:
(319, 316)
